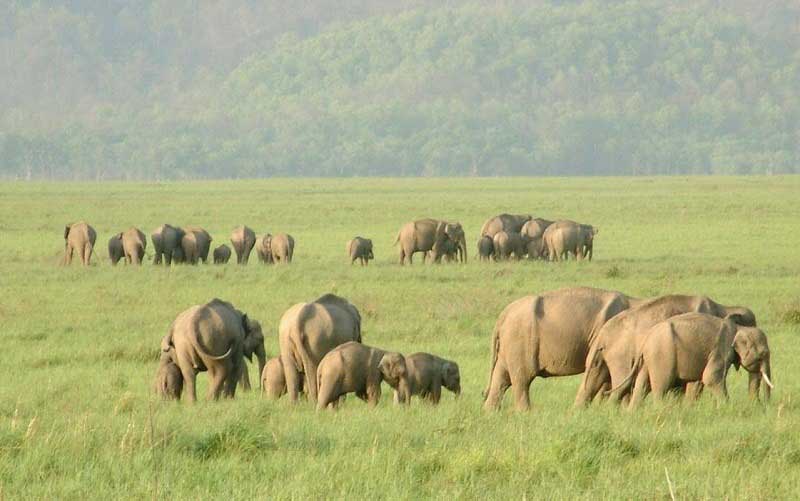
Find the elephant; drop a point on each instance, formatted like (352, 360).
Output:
(697, 348)
(167, 244)
(273, 381)
(613, 352)
(485, 248)
(357, 368)
(588, 232)
(134, 244)
(504, 222)
(308, 331)
(533, 237)
(222, 254)
(568, 237)
(547, 335)
(169, 381)
(361, 249)
(263, 250)
(243, 239)
(79, 237)
(426, 235)
(115, 250)
(280, 247)
(448, 252)
(507, 243)
(214, 337)
(427, 374)
(196, 244)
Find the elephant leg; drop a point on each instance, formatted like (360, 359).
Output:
(497, 387)
(436, 393)
(660, 380)
(595, 380)
(244, 377)
(521, 386)
(86, 254)
(216, 380)
(189, 380)
(234, 377)
(693, 391)
(714, 379)
(328, 394)
(640, 388)
(373, 393)
(292, 381)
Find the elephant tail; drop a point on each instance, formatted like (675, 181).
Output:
(202, 351)
(397, 238)
(625, 385)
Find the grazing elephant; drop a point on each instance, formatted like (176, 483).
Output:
(613, 353)
(427, 374)
(273, 380)
(356, 368)
(507, 243)
(547, 335)
(214, 337)
(222, 254)
(243, 239)
(485, 248)
(563, 238)
(79, 237)
(196, 244)
(533, 237)
(307, 332)
(169, 381)
(115, 250)
(167, 244)
(426, 235)
(134, 244)
(697, 348)
(361, 249)
(504, 222)
(280, 247)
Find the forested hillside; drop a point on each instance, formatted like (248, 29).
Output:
(175, 89)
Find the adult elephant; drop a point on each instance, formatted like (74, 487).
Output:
(614, 352)
(532, 233)
(134, 244)
(426, 235)
(243, 239)
(307, 332)
(214, 337)
(115, 250)
(280, 247)
(196, 244)
(506, 243)
(547, 335)
(563, 238)
(504, 222)
(79, 237)
(167, 244)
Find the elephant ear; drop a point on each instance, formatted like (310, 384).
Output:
(245, 324)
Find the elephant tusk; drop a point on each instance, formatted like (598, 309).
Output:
(766, 380)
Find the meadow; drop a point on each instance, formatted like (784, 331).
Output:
(78, 418)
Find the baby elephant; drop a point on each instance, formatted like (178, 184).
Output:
(428, 373)
(273, 381)
(356, 368)
(222, 254)
(361, 249)
(169, 380)
(485, 248)
(698, 348)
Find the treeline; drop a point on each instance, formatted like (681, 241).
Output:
(177, 90)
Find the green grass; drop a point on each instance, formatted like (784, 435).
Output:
(77, 418)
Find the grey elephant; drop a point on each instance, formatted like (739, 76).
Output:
(485, 248)
(448, 252)
(280, 247)
(243, 240)
(360, 249)
(115, 250)
(504, 222)
(426, 235)
(356, 368)
(214, 337)
(134, 244)
(167, 244)
(273, 380)
(169, 380)
(507, 243)
(307, 332)
(79, 237)
(548, 335)
(196, 244)
(222, 254)
(613, 351)
(563, 238)
(697, 348)
(428, 374)
(532, 233)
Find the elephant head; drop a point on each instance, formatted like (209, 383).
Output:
(254, 342)
(393, 370)
(370, 255)
(740, 316)
(751, 351)
(451, 377)
(454, 232)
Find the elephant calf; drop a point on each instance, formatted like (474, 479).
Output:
(356, 368)
(273, 381)
(169, 380)
(485, 248)
(222, 254)
(427, 374)
(361, 249)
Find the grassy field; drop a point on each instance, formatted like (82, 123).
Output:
(78, 420)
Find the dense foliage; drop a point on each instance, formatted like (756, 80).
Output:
(101, 90)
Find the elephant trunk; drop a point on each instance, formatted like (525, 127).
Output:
(462, 245)
(262, 361)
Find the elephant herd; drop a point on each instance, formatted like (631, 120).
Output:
(501, 237)
(321, 355)
(625, 347)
